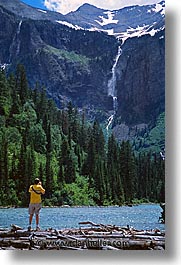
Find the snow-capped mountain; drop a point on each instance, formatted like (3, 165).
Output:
(126, 22)
(123, 23)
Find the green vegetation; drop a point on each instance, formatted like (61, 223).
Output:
(153, 140)
(71, 157)
(68, 55)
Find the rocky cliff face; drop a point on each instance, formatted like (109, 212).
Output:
(72, 65)
(141, 79)
(76, 64)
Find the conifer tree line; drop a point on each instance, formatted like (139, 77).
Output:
(68, 153)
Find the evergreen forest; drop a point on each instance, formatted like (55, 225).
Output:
(77, 164)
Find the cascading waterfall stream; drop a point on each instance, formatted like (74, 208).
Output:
(15, 39)
(112, 88)
(19, 27)
(18, 32)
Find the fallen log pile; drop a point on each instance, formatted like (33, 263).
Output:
(88, 236)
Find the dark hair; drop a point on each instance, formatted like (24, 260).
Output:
(37, 181)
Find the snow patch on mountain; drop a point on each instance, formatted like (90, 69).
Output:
(108, 20)
(157, 8)
(108, 31)
(138, 32)
(3, 66)
(69, 25)
(43, 11)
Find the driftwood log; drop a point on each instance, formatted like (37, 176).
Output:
(88, 236)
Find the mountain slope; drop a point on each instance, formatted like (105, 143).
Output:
(70, 70)
(22, 10)
(124, 22)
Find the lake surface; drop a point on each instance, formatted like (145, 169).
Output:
(143, 216)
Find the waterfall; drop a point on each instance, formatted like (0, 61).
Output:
(17, 34)
(112, 88)
(112, 81)
(19, 28)
(15, 43)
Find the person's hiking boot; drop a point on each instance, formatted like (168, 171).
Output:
(38, 228)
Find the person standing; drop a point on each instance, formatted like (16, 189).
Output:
(36, 190)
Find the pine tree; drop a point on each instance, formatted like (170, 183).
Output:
(127, 170)
(99, 181)
(21, 83)
(4, 161)
(16, 103)
(40, 100)
(21, 171)
(113, 171)
(41, 172)
(67, 162)
(60, 177)
(73, 122)
(98, 138)
(65, 123)
(89, 164)
(83, 133)
(49, 185)
(5, 95)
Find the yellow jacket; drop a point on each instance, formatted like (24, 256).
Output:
(35, 197)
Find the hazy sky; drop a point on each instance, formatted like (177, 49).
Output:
(65, 6)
